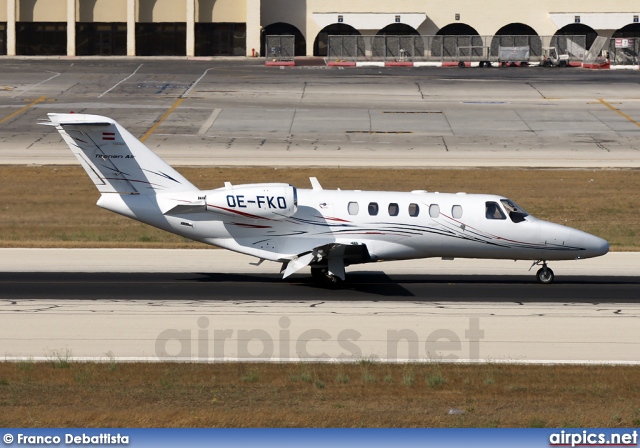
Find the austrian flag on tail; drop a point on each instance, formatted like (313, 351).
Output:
(108, 136)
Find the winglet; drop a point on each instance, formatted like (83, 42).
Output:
(315, 184)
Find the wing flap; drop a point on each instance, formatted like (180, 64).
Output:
(298, 263)
(336, 256)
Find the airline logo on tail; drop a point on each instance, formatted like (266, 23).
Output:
(115, 160)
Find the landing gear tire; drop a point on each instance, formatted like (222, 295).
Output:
(321, 276)
(545, 275)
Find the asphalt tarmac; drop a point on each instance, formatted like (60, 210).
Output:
(372, 286)
(212, 305)
(240, 112)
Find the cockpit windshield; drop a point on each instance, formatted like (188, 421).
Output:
(516, 213)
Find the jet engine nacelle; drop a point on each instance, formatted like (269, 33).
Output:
(272, 201)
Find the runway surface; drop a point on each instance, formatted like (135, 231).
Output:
(240, 112)
(211, 305)
(372, 286)
(210, 274)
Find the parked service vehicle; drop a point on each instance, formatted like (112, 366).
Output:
(551, 58)
(514, 56)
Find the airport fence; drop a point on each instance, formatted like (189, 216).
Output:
(462, 49)
(451, 48)
(280, 48)
(624, 50)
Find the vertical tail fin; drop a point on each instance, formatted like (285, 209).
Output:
(115, 160)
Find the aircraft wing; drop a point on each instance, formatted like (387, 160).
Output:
(335, 256)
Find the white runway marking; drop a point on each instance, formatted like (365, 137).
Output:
(117, 84)
(207, 124)
(36, 85)
(185, 94)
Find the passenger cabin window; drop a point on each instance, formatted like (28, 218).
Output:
(353, 208)
(516, 213)
(414, 210)
(393, 209)
(493, 211)
(456, 211)
(434, 210)
(373, 208)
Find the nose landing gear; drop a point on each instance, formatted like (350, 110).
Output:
(545, 274)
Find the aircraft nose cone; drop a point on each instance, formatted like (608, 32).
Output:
(581, 244)
(594, 246)
(599, 246)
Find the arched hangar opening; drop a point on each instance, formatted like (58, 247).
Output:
(398, 41)
(320, 45)
(517, 35)
(630, 30)
(285, 29)
(579, 29)
(398, 29)
(454, 36)
(457, 29)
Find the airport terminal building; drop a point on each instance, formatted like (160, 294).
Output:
(238, 27)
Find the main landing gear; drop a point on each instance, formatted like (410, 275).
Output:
(322, 276)
(545, 274)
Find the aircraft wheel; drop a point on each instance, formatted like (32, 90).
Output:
(545, 275)
(321, 276)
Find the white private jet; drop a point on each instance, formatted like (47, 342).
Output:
(326, 230)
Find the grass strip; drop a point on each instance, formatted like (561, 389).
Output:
(61, 393)
(54, 206)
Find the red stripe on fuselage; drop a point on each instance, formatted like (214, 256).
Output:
(237, 212)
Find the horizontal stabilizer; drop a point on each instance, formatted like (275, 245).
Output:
(186, 209)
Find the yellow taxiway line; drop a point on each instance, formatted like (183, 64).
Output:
(159, 122)
(18, 112)
(618, 111)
